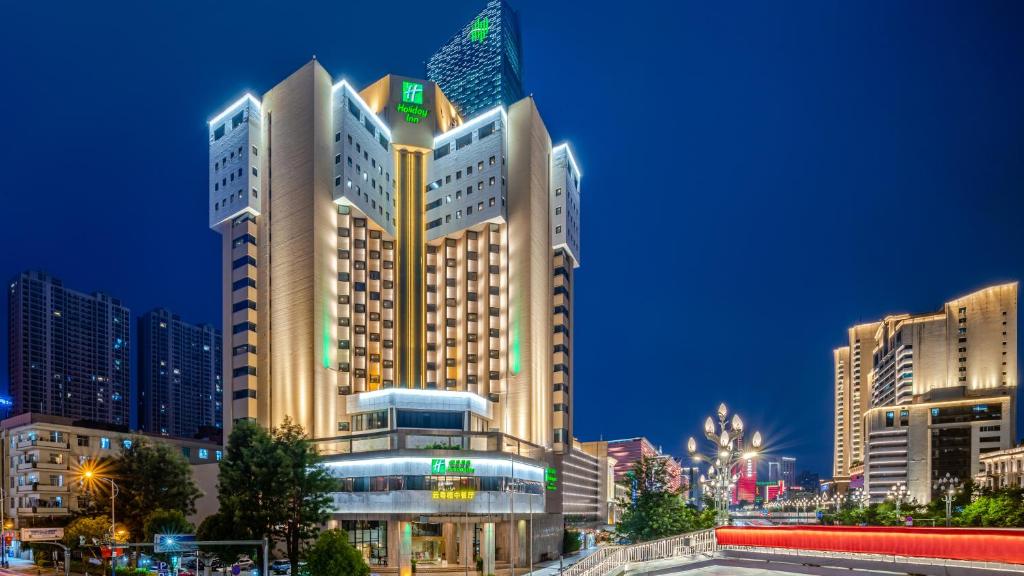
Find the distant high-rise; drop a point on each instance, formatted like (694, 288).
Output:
(482, 66)
(69, 352)
(180, 378)
(940, 391)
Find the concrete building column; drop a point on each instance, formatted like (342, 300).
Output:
(400, 546)
(487, 547)
(466, 544)
(448, 531)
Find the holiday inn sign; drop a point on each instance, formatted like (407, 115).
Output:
(440, 466)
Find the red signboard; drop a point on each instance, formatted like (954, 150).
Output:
(105, 552)
(980, 544)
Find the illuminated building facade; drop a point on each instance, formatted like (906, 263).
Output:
(398, 280)
(943, 390)
(180, 389)
(627, 451)
(45, 454)
(853, 364)
(1002, 469)
(69, 352)
(482, 66)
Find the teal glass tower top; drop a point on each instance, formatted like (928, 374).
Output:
(482, 66)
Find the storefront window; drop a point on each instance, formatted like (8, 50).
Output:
(370, 537)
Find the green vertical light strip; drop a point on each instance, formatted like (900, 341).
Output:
(327, 337)
(516, 310)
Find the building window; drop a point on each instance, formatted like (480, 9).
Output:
(204, 454)
(890, 419)
(105, 443)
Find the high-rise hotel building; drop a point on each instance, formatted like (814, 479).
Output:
(69, 352)
(398, 280)
(941, 392)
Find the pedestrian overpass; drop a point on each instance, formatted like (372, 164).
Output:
(816, 551)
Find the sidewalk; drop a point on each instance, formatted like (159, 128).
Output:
(551, 568)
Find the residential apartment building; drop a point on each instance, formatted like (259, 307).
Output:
(481, 67)
(44, 457)
(943, 390)
(398, 279)
(69, 352)
(180, 389)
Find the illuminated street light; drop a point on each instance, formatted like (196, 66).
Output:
(727, 437)
(861, 497)
(949, 486)
(90, 475)
(898, 494)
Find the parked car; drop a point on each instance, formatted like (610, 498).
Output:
(245, 563)
(281, 566)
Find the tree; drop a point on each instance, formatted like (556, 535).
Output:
(271, 485)
(150, 477)
(92, 528)
(249, 486)
(657, 512)
(307, 489)
(162, 521)
(332, 554)
(1002, 508)
(219, 526)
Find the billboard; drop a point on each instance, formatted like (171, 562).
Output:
(41, 534)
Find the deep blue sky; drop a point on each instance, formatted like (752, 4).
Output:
(757, 175)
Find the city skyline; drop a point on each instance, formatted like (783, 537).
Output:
(731, 274)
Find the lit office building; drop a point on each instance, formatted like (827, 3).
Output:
(180, 365)
(943, 388)
(68, 352)
(398, 280)
(482, 66)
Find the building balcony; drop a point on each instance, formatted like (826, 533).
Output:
(43, 488)
(25, 444)
(42, 466)
(44, 511)
(430, 439)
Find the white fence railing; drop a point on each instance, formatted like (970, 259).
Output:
(610, 558)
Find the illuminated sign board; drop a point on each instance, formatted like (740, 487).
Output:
(455, 494)
(412, 92)
(412, 102)
(478, 31)
(551, 478)
(441, 467)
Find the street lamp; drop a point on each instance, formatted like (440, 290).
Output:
(950, 487)
(898, 494)
(727, 438)
(92, 475)
(861, 497)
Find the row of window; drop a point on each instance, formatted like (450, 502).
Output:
(464, 140)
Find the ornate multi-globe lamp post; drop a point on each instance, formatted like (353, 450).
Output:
(950, 487)
(898, 494)
(727, 437)
(861, 497)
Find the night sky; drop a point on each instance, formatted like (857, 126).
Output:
(757, 176)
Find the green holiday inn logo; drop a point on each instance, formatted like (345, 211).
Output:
(411, 104)
(440, 466)
(412, 92)
(480, 28)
